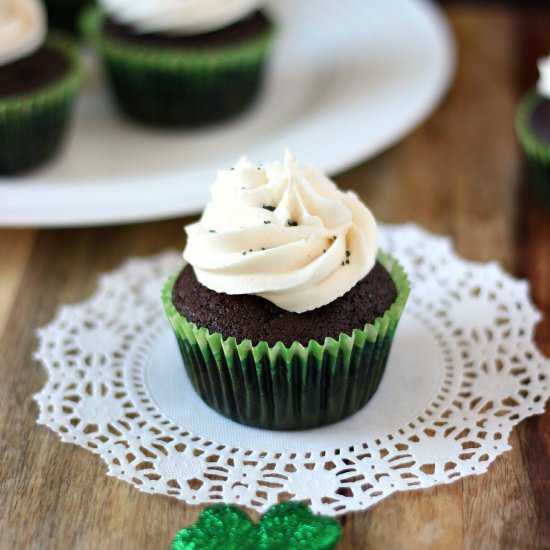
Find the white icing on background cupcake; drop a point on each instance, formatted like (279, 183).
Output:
(543, 85)
(179, 17)
(23, 29)
(283, 232)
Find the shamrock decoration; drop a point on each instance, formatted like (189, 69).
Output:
(286, 526)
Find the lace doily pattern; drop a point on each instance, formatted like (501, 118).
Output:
(490, 376)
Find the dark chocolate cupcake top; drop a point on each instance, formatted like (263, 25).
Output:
(252, 318)
(179, 17)
(23, 29)
(282, 232)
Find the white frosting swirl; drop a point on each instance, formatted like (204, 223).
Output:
(23, 29)
(543, 85)
(283, 232)
(181, 17)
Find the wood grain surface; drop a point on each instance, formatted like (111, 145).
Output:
(461, 173)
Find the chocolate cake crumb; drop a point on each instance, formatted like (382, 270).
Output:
(249, 27)
(27, 75)
(252, 317)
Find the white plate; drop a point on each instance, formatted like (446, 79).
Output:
(347, 79)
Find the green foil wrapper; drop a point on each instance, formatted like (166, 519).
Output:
(33, 125)
(180, 87)
(289, 387)
(536, 151)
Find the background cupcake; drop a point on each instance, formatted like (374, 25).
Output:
(39, 78)
(64, 14)
(533, 126)
(286, 312)
(182, 63)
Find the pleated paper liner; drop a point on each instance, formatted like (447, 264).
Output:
(33, 125)
(536, 151)
(180, 87)
(289, 387)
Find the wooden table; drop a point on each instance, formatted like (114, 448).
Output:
(461, 174)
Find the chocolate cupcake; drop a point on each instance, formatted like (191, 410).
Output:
(39, 79)
(286, 310)
(178, 64)
(533, 128)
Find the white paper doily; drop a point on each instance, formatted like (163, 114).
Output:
(462, 372)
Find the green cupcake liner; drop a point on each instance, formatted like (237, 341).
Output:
(65, 14)
(536, 151)
(289, 387)
(32, 125)
(180, 87)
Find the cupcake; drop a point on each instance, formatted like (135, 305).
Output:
(64, 14)
(285, 309)
(182, 63)
(39, 78)
(533, 127)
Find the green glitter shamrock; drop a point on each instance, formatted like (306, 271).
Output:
(286, 526)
